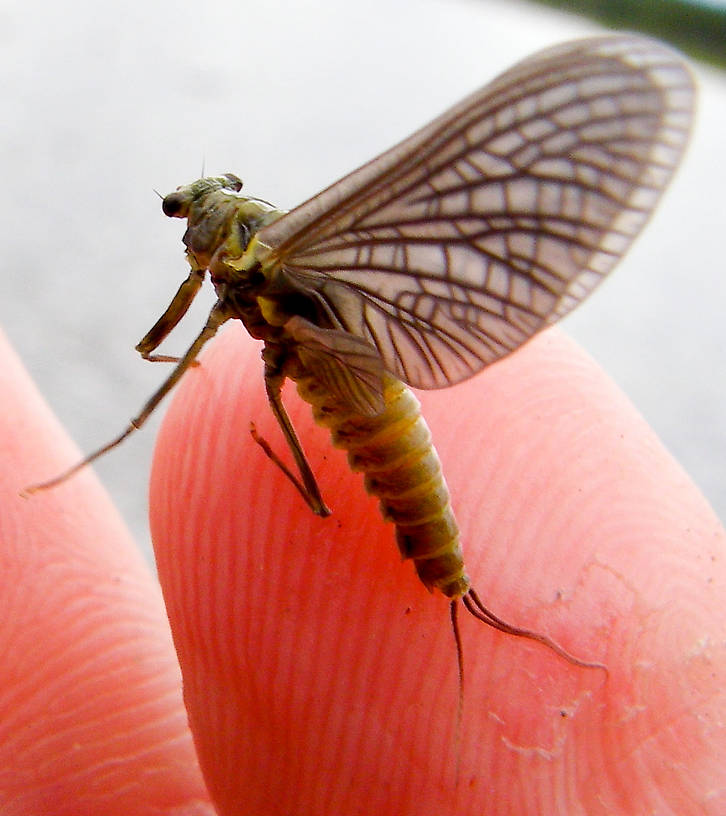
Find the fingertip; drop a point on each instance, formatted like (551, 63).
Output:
(314, 661)
(90, 679)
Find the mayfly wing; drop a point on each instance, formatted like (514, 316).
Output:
(457, 245)
(347, 365)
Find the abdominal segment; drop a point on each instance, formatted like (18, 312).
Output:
(394, 451)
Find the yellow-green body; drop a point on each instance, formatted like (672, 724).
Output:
(388, 439)
(402, 469)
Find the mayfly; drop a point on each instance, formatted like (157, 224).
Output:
(431, 262)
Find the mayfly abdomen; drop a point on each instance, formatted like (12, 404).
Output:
(402, 469)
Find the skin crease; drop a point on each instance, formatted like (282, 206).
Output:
(319, 675)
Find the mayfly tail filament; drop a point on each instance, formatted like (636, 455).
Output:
(402, 469)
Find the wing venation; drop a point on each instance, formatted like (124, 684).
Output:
(456, 246)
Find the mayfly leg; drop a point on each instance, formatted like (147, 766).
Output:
(217, 317)
(308, 487)
(178, 307)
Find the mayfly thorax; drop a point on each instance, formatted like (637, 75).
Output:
(433, 261)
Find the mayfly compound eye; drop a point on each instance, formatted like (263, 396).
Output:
(174, 205)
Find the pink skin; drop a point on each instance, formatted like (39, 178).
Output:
(91, 718)
(319, 675)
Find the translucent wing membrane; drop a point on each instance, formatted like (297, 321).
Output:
(460, 243)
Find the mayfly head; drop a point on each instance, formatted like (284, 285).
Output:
(210, 205)
(178, 203)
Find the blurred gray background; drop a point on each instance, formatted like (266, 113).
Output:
(103, 103)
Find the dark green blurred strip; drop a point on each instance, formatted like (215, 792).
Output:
(699, 31)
